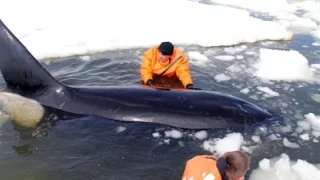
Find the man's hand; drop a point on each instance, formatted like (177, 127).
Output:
(190, 86)
(149, 82)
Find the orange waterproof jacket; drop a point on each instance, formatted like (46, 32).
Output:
(201, 168)
(151, 66)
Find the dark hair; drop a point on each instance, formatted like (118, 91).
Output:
(166, 48)
(238, 164)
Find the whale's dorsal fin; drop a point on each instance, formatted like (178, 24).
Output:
(19, 67)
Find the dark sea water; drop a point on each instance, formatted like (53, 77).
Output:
(91, 147)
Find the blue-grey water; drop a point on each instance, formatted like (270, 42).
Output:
(91, 147)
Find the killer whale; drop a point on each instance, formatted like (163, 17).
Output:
(188, 109)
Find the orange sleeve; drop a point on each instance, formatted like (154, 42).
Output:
(146, 67)
(183, 71)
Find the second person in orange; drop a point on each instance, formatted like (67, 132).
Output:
(165, 65)
(231, 166)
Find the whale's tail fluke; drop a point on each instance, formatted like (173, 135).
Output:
(19, 68)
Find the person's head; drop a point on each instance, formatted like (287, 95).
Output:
(165, 51)
(237, 164)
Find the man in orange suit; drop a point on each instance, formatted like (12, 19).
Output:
(165, 65)
(231, 166)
